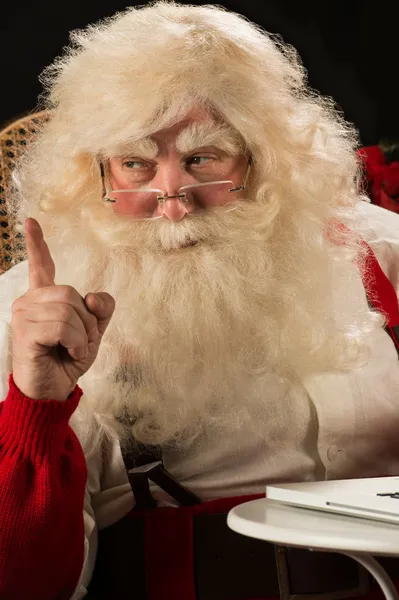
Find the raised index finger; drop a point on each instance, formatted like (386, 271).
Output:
(41, 265)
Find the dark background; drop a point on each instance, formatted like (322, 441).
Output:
(349, 47)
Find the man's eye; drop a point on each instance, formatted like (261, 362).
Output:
(134, 164)
(199, 160)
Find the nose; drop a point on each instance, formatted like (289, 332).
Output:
(175, 209)
(170, 178)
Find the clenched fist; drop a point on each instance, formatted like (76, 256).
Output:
(56, 334)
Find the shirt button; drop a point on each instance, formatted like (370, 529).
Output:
(332, 453)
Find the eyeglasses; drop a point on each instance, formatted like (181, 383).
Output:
(149, 203)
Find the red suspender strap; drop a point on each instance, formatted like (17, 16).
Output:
(169, 546)
(381, 294)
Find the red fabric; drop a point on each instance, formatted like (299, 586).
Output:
(380, 289)
(162, 557)
(212, 507)
(381, 178)
(381, 292)
(42, 480)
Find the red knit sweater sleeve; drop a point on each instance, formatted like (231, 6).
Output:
(42, 484)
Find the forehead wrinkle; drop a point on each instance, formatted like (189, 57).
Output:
(197, 135)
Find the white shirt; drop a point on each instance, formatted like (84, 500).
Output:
(347, 425)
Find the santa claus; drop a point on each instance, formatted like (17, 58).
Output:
(200, 269)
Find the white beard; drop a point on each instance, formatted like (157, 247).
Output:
(200, 332)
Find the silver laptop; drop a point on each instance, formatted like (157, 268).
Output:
(373, 498)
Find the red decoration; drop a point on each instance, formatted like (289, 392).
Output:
(381, 178)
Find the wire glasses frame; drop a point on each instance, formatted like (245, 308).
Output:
(159, 197)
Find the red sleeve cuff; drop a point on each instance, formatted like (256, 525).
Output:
(35, 428)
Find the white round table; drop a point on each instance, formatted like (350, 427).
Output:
(317, 530)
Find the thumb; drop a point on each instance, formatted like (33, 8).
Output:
(102, 305)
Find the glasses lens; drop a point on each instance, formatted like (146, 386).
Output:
(142, 204)
(146, 204)
(210, 194)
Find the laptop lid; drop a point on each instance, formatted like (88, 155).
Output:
(371, 498)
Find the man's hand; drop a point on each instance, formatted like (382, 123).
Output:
(56, 333)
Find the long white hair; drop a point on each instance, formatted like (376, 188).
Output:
(199, 335)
